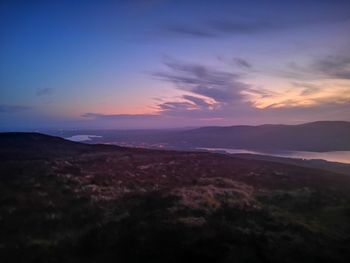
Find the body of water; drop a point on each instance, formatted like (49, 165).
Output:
(82, 138)
(335, 156)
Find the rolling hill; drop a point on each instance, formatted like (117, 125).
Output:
(63, 201)
(318, 136)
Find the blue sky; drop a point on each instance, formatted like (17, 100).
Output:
(163, 63)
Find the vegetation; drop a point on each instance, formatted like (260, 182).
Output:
(132, 205)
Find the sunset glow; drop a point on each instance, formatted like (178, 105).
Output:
(144, 64)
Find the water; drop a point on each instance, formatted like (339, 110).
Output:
(82, 138)
(335, 156)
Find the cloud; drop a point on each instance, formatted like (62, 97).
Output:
(13, 108)
(124, 121)
(333, 66)
(117, 117)
(199, 102)
(224, 116)
(242, 63)
(221, 86)
(44, 92)
(218, 94)
(145, 5)
(261, 92)
(188, 31)
(214, 96)
(244, 27)
(262, 20)
(188, 106)
(237, 62)
(220, 28)
(175, 108)
(307, 88)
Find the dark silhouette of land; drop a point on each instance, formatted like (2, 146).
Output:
(64, 201)
(318, 136)
(315, 136)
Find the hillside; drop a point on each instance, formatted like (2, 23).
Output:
(93, 203)
(315, 137)
(21, 145)
(335, 167)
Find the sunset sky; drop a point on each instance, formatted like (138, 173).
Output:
(167, 63)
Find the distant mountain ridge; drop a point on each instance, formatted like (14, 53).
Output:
(320, 136)
(315, 136)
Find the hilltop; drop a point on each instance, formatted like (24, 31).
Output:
(75, 202)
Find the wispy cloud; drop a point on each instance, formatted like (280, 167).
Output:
(307, 88)
(175, 108)
(182, 30)
(212, 95)
(224, 27)
(91, 115)
(249, 25)
(237, 62)
(252, 26)
(44, 92)
(221, 86)
(333, 66)
(242, 63)
(199, 102)
(13, 108)
(228, 92)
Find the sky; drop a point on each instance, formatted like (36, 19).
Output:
(172, 63)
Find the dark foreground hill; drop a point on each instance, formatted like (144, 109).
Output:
(93, 203)
(21, 145)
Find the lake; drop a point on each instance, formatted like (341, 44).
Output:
(335, 156)
(82, 138)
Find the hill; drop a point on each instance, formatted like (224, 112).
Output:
(340, 168)
(22, 145)
(90, 203)
(316, 136)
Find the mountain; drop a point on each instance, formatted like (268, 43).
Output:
(315, 136)
(63, 201)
